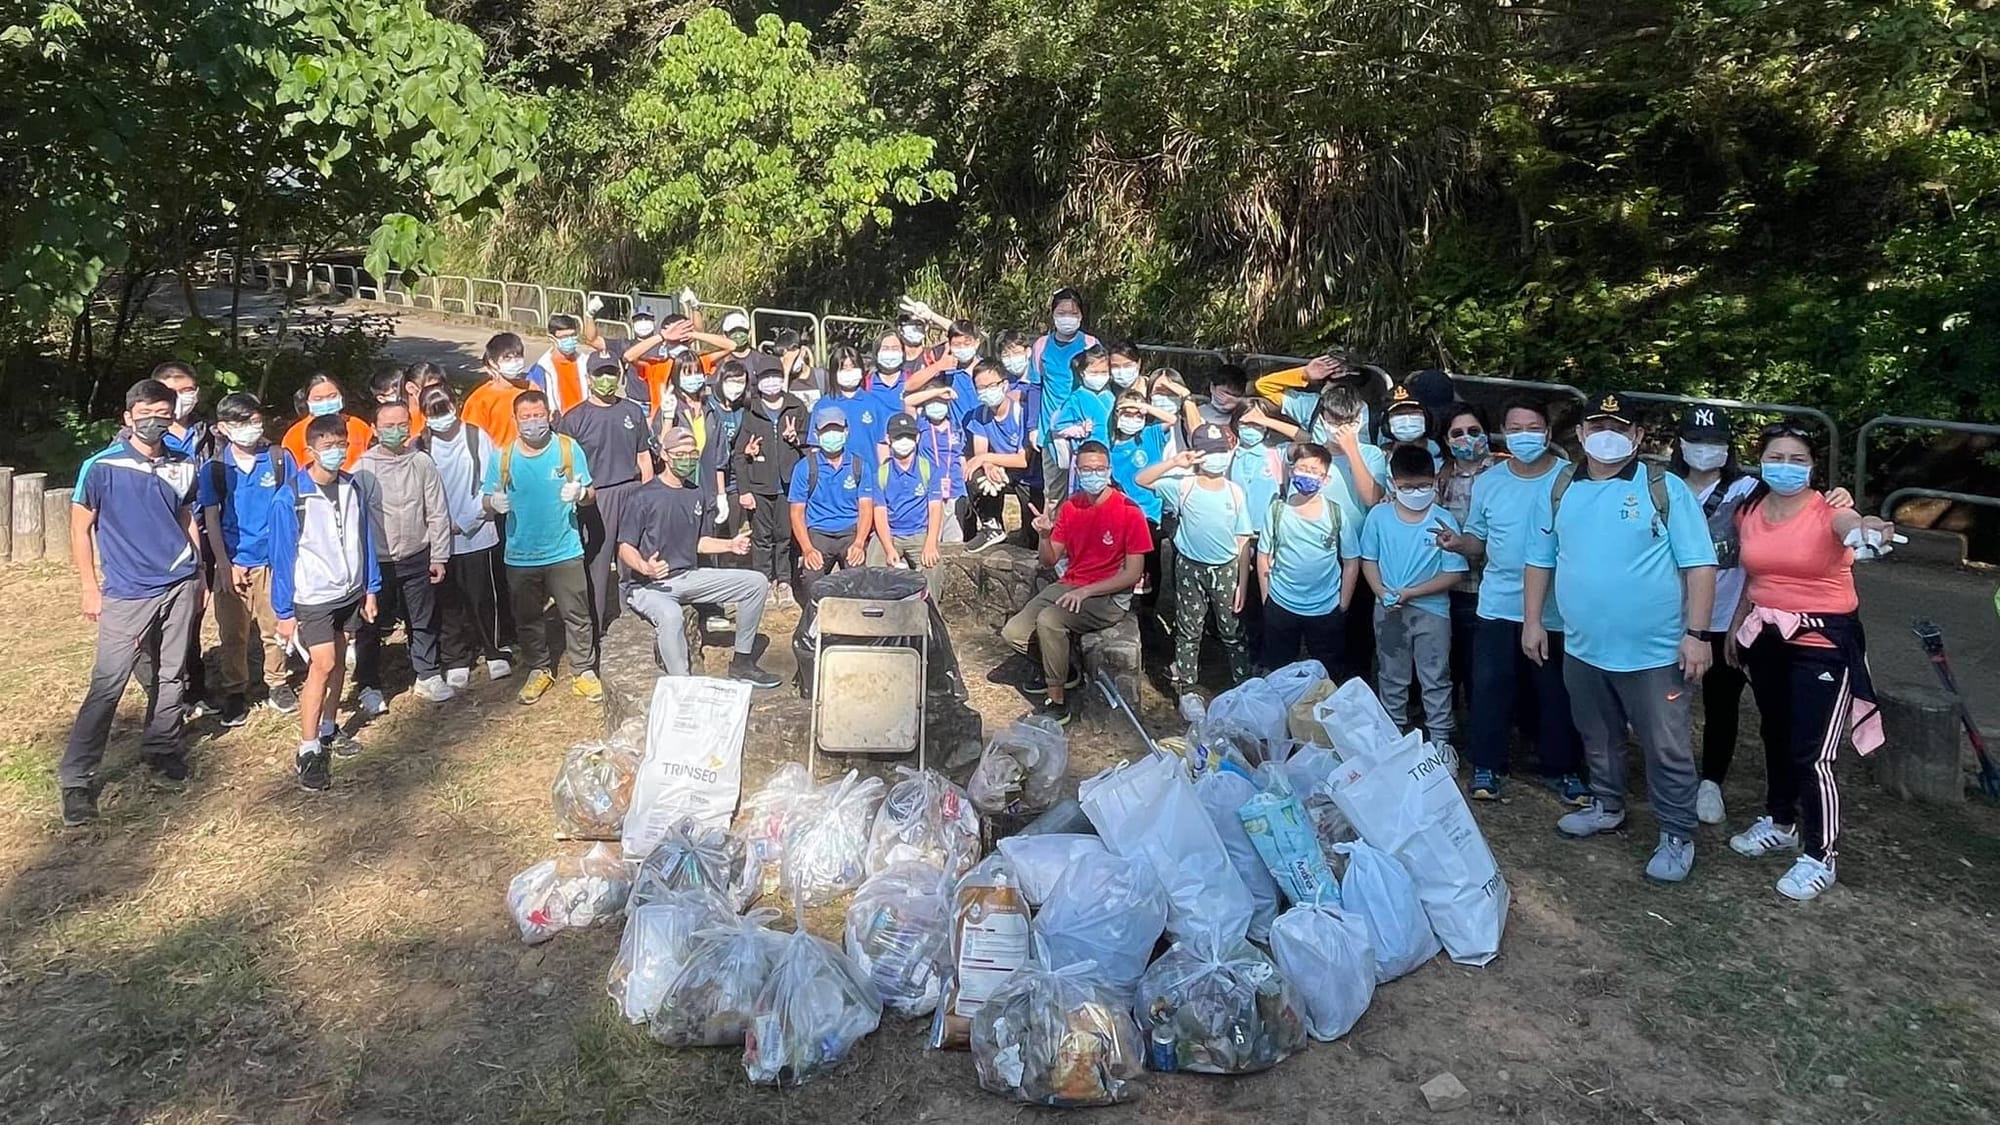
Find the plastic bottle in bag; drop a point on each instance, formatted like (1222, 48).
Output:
(691, 857)
(899, 932)
(814, 1007)
(1226, 1006)
(1022, 768)
(1326, 957)
(989, 943)
(826, 854)
(1058, 1037)
(592, 789)
(712, 1000)
(568, 892)
(658, 938)
(925, 819)
(788, 795)
(1107, 910)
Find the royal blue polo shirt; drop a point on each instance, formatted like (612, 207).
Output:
(833, 502)
(908, 498)
(1618, 568)
(142, 506)
(244, 495)
(868, 413)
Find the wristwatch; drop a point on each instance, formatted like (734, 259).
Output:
(1700, 634)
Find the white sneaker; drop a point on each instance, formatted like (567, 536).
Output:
(432, 689)
(1763, 838)
(1708, 803)
(458, 677)
(498, 669)
(717, 623)
(1807, 878)
(372, 703)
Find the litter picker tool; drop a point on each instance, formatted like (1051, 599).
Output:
(1118, 704)
(1932, 638)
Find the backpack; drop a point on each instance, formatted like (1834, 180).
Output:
(923, 474)
(1722, 524)
(1278, 509)
(472, 434)
(1656, 484)
(565, 450)
(281, 471)
(812, 472)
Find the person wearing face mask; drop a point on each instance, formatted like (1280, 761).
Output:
(489, 407)
(1407, 422)
(324, 582)
(195, 440)
(909, 505)
(1509, 510)
(1797, 631)
(404, 496)
(1052, 367)
(133, 512)
(950, 368)
(1296, 391)
(561, 373)
(661, 348)
(1000, 456)
(1139, 438)
(732, 403)
(418, 378)
(1096, 542)
(1125, 368)
(866, 410)
(1409, 571)
(1340, 424)
(943, 444)
(1468, 453)
(611, 429)
(1308, 563)
(913, 332)
(1085, 415)
(1633, 569)
(1209, 545)
(1432, 391)
(474, 593)
(1226, 392)
(831, 499)
(1259, 462)
(538, 482)
(237, 485)
(768, 447)
(320, 398)
(667, 531)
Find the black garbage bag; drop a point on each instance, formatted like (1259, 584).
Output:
(880, 583)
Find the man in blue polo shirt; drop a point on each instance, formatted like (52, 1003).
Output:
(133, 511)
(1633, 566)
(832, 497)
(909, 507)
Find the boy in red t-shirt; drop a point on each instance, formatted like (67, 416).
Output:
(1097, 542)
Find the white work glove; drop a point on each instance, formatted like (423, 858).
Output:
(572, 491)
(594, 306)
(688, 299)
(915, 307)
(1868, 543)
(722, 507)
(498, 502)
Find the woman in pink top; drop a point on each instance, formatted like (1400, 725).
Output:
(1797, 634)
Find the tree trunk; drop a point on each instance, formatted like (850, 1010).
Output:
(235, 288)
(187, 292)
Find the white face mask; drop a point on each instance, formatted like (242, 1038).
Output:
(964, 355)
(991, 396)
(1066, 325)
(937, 411)
(903, 446)
(245, 434)
(184, 402)
(1704, 457)
(848, 378)
(1124, 376)
(912, 334)
(732, 390)
(1097, 380)
(642, 328)
(1016, 365)
(771, 386)
(1416, 499)
(889, 361)
(513, 365)
(439, 423)
(1609, 447)
(1406, 427)
(1129, 424)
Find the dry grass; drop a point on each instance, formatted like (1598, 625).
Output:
(246, 952)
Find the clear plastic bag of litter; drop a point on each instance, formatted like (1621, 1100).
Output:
(690, 857)
(568, 892)
(713, 998)
(826, 854)
(899, 932)
(658, 938)
(592, 790)
(1108, 910)
(1022, 768)
(788, 795)
(1058, 1037)
(814, 1007)
(925, 819)
(1221, 1004)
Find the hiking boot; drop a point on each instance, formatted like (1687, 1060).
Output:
(432, 689)
(168, 769)
(499, 670)
(1575, 791)
(1806, 880)
(1590, 820)
(284, 699)
(371, 704)
(1672, 860)
(1708, 803)
(79, 806)
(1050, 709)
(745, 668)
(537, 685)
(455, 678)
(235, 710)
(1763, 838)
(1485, 785)
(588, 687)
(315, 767)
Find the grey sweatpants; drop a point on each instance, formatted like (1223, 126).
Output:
(159, 627)
(1410, 639)
(1656, 704)
(660, 602)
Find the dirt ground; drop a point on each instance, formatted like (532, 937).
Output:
(244, 951)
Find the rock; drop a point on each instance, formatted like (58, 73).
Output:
(1115, 652)
(1837, 1081)
(1445, 1093)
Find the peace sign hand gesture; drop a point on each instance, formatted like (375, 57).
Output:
(1042, 523)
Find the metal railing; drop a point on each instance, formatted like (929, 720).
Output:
(1872, 425)
(792, 318)
(1822, 418)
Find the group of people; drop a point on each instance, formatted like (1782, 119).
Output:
(507, 526)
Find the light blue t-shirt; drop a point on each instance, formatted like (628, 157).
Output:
(1372, 457)
(1132, 455)
(1510, 512)
(1211, 518)
(1305, 571)
(1407, 553)
(1260, 470)
(541, 529)
(1049, 362)
(1618, 570)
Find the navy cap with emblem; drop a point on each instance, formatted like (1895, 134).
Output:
(1607, 405)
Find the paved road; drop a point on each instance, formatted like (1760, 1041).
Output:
(1893, 593)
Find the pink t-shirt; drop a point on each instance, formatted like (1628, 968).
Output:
(1797, 565)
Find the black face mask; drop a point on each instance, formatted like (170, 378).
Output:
(151, 430)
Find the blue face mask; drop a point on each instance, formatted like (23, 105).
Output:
(832, 442)
(1785, 478)
(320, 408)
(1215, 463)
(568, 345)
(1165, 402)
(1093, 483)
(1250, 436)
(1527, 445)
(331, 458)
(1307, 485)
